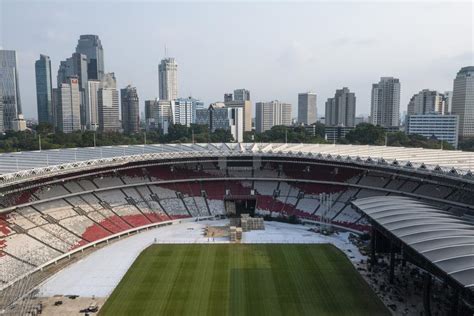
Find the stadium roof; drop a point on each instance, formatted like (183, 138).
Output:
(445, 240)
(21, 165)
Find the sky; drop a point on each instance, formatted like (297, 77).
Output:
(274, 49)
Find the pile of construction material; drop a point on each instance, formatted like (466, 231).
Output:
(250, 223)
(235, 233)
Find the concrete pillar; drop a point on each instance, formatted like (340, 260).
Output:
(373, 237)
(427, 293)
(392, 263)
(455, 303)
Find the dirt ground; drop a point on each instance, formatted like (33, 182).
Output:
(68, 307)
(217, 231)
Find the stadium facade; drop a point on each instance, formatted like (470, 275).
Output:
(56, 203)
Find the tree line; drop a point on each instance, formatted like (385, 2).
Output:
(363, 134)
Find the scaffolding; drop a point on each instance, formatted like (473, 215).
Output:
(325, 202)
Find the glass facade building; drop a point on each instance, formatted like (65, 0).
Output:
(9, 88)
(44, 90)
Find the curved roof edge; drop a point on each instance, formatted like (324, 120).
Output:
(448, 252)
(18, 167)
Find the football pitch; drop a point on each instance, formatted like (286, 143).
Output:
(242, 279)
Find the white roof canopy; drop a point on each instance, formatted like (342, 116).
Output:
(445, 240)
(22, 165)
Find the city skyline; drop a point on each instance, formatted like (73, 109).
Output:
(293, 64)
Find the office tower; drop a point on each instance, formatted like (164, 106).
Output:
(246, 107)
(9, 88)
(385, 103)
(228, 97)
(92, 115)
(448, 101)
(219, 116)
(441, 127)
(463, 100)
(269, 114)
(151, 114)
(91, 47)
(1, 114)
(241, 95)
(340, 110)
(168, 79)
(76, 66)
(130, 110)
(182, 110)
(108, 104)
(44, 90)
(307, 112)
(426, 102)
(67, 104)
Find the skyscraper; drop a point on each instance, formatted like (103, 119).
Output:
(130, 110)
(219, 116)
(67, 103)
(307, 112)
(448, 102)
(9, 88)
(92, 115)
(385, 103)
(228, 97)
(1, 113)
(44, 90)
(108, 104)
(182, 110)
(246, 107)
(76, 66)
(340, 110)
(269, 114)
(91, 46)
(168, 79)
(426, 102)
(463, 100)
(241, 95)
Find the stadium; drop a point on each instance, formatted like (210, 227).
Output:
(174, 229)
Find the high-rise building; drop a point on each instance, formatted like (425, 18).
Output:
(130, 110)
(1, 113)
(9, 88)
(76, 66)
(385, 103)
(108, 104)
(426, 102)
(91, 46)
(182, 110)
(246, 107)
(228, 97)
(92, 116)
(340, 110)
(440, 127)
(151, 114)
(168, 79)
(448, 101)
(307, 111)
(463, 100)
(269, 114)
(219, 116)
(158, 115)
(241, 95)
(67, 105)
(44, 90)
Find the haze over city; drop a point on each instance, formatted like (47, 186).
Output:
(275, 50)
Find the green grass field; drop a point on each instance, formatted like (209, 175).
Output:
(242, 279)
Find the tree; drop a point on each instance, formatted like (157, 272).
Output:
(366, 134)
